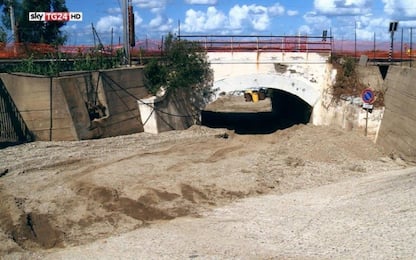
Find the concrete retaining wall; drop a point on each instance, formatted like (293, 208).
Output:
(122, 89)
(348, 113)
(55, 108)
(398, 129)
(42, 105)
(370, 76)
(352, 117)
(165, 113)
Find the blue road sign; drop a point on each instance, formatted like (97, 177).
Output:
(368, 96)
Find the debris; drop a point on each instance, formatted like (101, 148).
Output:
(3, 172)
(224, 135)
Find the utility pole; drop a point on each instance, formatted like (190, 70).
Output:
(111, 41)
(13, 22)
(14, 28)
(355, 39)
(179, 29)
(374, 47)
(126, 46)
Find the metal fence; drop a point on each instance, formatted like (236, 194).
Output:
(12, 126)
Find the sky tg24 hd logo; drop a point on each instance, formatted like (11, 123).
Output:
(55, 16)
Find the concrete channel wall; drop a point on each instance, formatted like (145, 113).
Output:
(397, 132)
(167, 112)
(57, 108)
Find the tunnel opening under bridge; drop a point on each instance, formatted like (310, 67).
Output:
(286, 110)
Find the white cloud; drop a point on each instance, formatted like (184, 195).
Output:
(350, 18)
(363, 27)
(107, 22)
(198, 21)
(239, 18)
(194, 21)
(400, 9)
(292, 12)
(156, 22)
(276, 9)
(316, 20)
(137, 19)
(201, 2)
(155, 6)
(256, 16)
(76, 32)
(161, 24)
(167, 26)
(237, 15)
(114, 10)
(343, 7)
(305, 30)
(315, 24)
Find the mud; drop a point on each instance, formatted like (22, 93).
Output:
(62, 194)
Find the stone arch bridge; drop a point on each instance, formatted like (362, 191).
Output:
(304, 75)
(297, 81)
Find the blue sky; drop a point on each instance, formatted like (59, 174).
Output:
(155, 18)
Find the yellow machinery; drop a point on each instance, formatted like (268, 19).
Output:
(254, 95)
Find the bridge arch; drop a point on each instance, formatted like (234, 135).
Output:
(292, 102)
(294, 85)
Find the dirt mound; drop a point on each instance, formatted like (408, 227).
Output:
(60, 194)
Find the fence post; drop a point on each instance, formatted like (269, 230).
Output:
(50, 108)
(411, 43)
(374, 48)
(401, 49)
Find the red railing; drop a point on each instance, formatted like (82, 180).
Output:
(213, 43)
(237, 43)
(380, 50)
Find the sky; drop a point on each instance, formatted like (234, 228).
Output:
(344, 19)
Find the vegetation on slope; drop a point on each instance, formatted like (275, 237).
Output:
(348, 82)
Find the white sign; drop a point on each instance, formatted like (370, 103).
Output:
(55, 16)
(367, 106)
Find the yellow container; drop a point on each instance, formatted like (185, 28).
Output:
(255, 96)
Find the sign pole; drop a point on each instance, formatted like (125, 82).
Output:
(366, 122)
(368, 98)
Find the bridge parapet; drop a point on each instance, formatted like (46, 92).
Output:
(269, 43)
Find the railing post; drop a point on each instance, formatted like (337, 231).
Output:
(401, 49)
(50, 108)
(411, 47)
(374, 48)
